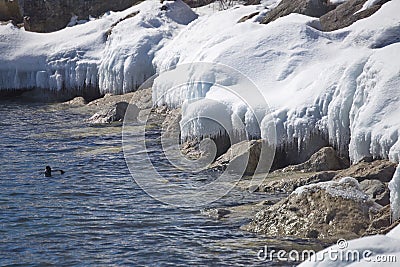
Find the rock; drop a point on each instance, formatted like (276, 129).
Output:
(197, 3)
(325, 159)
(170, 126)
(382, 170)
(53, 15)
(77, 101)
(116, 113)
(377, 191)
(245, 18)
(313, 8)
(216, 214)
(142, 98)
(9, 11)
(192, 149)
(346, 14)
(277, 182)
(326, 211)
(245, 156)
(381, 223)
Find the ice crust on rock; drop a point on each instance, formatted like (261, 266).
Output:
(347, 187)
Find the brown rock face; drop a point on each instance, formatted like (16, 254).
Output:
(53, 15)
(332, 17)
(382, 223)
(326, 159)
(382, 170)
(346, 14)
(9, 10)
(313, 8)
(248, 156)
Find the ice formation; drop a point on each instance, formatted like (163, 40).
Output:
(394, 187)
(342, 86)
(113, 53)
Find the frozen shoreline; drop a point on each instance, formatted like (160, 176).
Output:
(336, 89)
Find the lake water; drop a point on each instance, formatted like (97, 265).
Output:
(95, 214)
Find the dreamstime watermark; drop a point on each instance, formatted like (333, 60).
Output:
(220, 107)
(337, 253)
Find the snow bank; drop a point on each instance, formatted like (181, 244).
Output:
(394, 187)
(341, 86)
(366, 251)
(113, 53)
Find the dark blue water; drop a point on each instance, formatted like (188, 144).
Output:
(95, 214)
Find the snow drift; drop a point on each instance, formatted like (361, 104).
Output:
(113, 53)
(378, 250)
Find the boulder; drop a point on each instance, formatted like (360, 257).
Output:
(77, 101)
(245, 156)
(170, 125)
(377, 191)
(347, 13)
(216, 213)
(53, 15)
(9, 11)
(313, 8)
(115, 113)
(328, 210)
(142, 98)
(326, 159)
(382, 170)
(278, 182)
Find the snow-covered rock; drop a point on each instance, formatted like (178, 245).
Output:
(113, 53)
(326, 210)
(340, 86)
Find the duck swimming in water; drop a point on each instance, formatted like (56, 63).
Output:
(47, 172)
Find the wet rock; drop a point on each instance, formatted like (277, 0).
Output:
(382, 170)
(326, 159)
(216, 214)
(170, 126)
(192, 149)
(115, 113)
(313, 8)
(325, 210)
